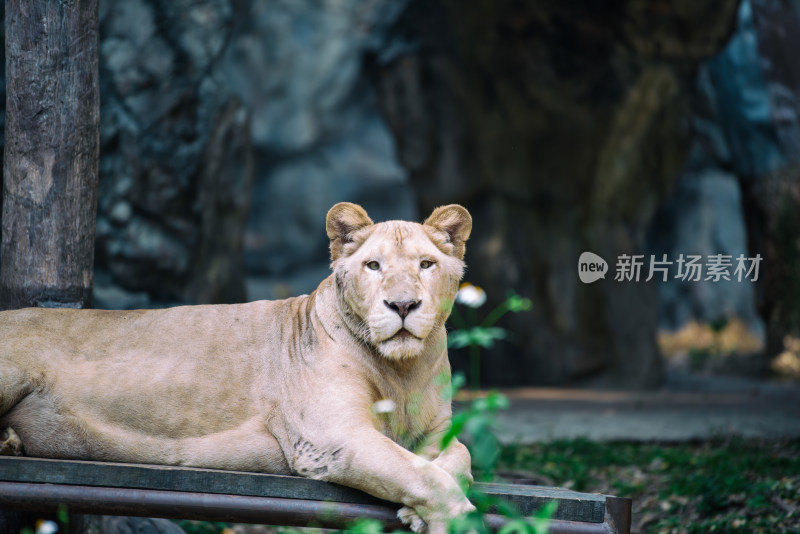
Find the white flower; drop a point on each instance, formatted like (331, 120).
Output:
(46, 527)
(384, 406)
(470, 295)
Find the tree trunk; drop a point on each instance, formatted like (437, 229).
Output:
(51, 153)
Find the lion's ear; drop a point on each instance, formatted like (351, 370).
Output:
(343, 220)
(456, 222)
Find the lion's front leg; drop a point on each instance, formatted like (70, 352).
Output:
(454, 459)
(375, 464)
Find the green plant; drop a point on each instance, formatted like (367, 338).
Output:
(475, 426)
(483, 335)
(202, 527)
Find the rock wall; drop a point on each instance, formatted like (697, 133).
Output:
(772, 199)
(176, 164)
(732, 137)
(561, 127)
(229, 127)
(739, 191)
(318, 135)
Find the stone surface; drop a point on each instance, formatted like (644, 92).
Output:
(286, 230)
(561, 127)
(732, 137)
(704, 217)
(176, 166)
(773, 200)
(199, 97)
(739, 191)
(317, 131)
(734, 103)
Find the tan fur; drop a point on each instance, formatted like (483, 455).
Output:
(273, 386)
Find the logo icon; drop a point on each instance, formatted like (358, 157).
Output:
(591, 267)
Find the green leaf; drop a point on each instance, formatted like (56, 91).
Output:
(485, 337)
(498, 401)
(491, 403)
(456, 426)
(476, 336)
(366, 526)
(458, 339)
(63, 514)
(516, 303)
(477, 423)
(506, 508)
(542, 517)
(470, 523)
(458, 381)
(485, 450)
(547, 511)
(515, 525)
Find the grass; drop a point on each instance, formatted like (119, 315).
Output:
(732, 485)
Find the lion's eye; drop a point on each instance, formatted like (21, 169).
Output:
(426, 264)
(373, 265)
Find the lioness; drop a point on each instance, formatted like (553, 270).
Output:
(285, 387)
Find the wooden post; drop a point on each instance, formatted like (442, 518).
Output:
(51, 153)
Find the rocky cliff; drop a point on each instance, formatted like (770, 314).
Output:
(229, 127)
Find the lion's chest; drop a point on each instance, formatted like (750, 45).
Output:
(405, 419)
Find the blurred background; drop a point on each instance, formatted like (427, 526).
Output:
(230, 127)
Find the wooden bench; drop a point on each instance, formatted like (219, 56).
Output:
(40, 485)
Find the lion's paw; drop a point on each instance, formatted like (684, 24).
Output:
(10, 443)
(411, 518)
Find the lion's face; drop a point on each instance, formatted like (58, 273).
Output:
(396, 281)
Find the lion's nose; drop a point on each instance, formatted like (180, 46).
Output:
(403, 307)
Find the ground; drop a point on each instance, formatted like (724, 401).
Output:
(726, 485)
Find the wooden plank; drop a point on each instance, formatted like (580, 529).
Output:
(573, 506)
(173, 478)
(234, 508)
